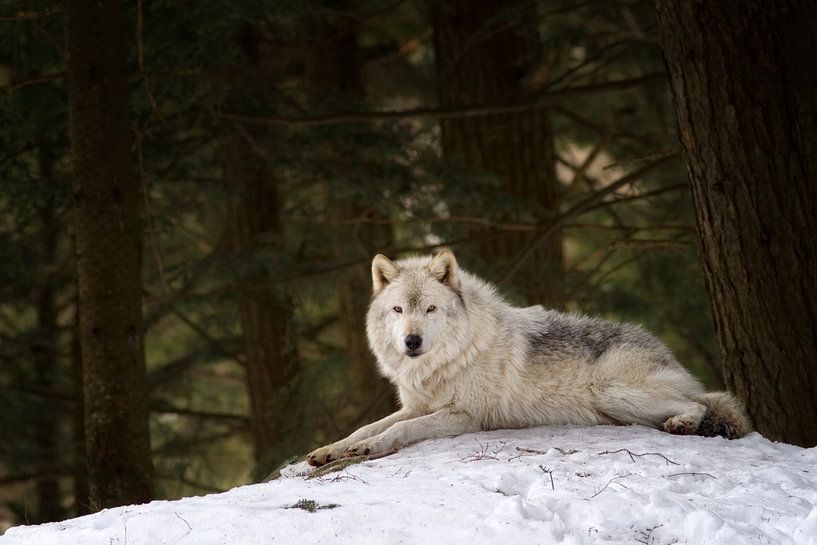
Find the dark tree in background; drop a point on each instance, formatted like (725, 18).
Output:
(489, 53)
(743, 79)
(108, 234)
(334, 79)
(257, 237)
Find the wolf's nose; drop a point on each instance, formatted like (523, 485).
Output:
(413, 342)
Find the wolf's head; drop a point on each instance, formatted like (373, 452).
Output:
(417, 308)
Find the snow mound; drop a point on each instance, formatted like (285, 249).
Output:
(575, 485)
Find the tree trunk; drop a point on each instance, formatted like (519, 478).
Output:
(743, 80)
(335, 78)
(264, 314)
(49, 495)
(485, 51)
(106, 197)
(82, 493)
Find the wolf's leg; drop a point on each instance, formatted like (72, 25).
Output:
(642, 385)
(650, 405)
(443, 423)
(334, 451)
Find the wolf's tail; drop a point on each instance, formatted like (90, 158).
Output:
(725, 416)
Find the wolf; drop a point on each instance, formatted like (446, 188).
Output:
(464, 360)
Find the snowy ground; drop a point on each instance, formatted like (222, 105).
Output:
(571, 485)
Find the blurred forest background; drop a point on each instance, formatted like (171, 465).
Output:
(276, 147)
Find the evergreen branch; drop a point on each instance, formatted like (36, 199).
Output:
(37, 474)
(166, 408)
(585, 205)
(10, 88)
(540, 100)
(28, 15)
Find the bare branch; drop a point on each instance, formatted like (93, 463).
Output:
(611, 481)
(33, 81)
(28, 15)
(632, 454)
(586, 204)
(693, 473)
(540, 100)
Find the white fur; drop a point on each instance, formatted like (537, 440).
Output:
(484, 364)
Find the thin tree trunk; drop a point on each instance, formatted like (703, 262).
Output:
(335, 78)
(82, 494)
(485, 50)
(264, 314)
(743, 78)
(49, 495)
(108, 256)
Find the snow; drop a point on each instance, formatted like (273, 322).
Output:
(574, 485)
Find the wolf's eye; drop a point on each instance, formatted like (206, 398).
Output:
(398, 310)
(431, 309)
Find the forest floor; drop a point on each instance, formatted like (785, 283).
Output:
(543, 485)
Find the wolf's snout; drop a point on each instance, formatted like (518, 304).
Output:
(413, 342)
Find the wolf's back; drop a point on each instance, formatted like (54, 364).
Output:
(725, 416)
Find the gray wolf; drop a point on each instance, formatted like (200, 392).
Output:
(464, 360)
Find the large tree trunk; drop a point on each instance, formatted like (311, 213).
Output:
(485, 50)
(335, 78)
(743, 78)
(106, 198)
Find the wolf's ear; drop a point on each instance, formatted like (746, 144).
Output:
(444, 267)
(383, 272)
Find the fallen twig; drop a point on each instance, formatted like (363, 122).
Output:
(340, 477)
(611, 481)
(530, 450)
(550, 473)
(693, 473)
(633, 454)
(523, 450)
(343, 463)
(483, 454)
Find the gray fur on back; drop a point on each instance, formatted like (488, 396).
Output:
(558, 334)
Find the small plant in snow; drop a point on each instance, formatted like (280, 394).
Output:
(311, 505)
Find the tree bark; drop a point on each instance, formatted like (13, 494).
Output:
(82, 493)
(264, 314)
(255, 230)
(743, 79)
(106, 200)
(49, 495)
(485, 51)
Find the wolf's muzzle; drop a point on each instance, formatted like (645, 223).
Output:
(413, 342)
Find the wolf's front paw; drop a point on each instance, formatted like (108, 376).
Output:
(324, 455)
(366, 447)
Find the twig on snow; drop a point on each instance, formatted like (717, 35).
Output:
(341, 477)
(483, 454)
(523, 450)
(550, 473)
(633, 454)
(693, 473)
(611, 481)
(343, 463)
